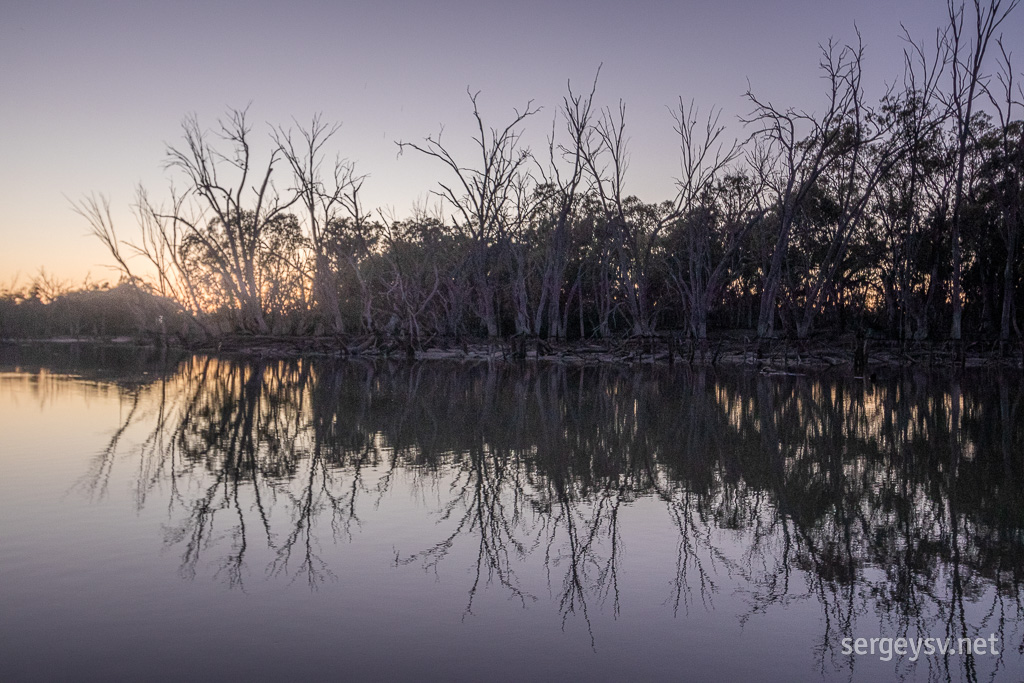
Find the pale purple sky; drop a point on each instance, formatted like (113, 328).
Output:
(91, 92)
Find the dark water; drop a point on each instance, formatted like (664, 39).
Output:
(196, 518)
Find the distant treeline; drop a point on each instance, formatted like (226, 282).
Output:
(902, 215)
(48, 307)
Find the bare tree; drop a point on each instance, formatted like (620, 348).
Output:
(968, 56)
(564, 185)
(159, 244)
(634, 227)
(716, 211)
(1009, 158)
(226, 215)
(804, 146)
(518, 250)
(329, 197)
(483, 197)
(869, 150)
(95, 209)
(913, 189)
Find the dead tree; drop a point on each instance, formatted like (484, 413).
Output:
(329, 197)
(1010, 187)
(95, 209)
(482, 198)
(967, 82)
(803, 146)
(635, 228)
(868, 150)
(222, 213)
(562, 179)
(715, 213)
(159, 244)
(913, 189)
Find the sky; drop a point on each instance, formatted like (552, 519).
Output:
(92, 93)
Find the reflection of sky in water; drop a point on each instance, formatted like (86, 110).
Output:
(594, 524)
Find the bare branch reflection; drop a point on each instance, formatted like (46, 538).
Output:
(896, 506)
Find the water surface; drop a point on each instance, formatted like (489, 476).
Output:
(169, 518)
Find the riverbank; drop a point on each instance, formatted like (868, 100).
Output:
(775, 355)
(767, 356)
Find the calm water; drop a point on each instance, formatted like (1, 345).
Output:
(208, 518)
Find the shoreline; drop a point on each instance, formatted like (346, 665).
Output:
(770, 356)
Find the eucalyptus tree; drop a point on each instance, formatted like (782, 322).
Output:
(484, 198)
(160, 243)
(634, 227)
(280, 273)
(967, 83)
(330, 197)
(869, 149)
(561, 189)
(912, 194)
(1003, 173)
(411, 276)
(223, 213)
(597, 267)
(716, 209)
(802, 146)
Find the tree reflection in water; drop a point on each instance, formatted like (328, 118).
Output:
(897, 507)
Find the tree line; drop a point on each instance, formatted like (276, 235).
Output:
(900, 215)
